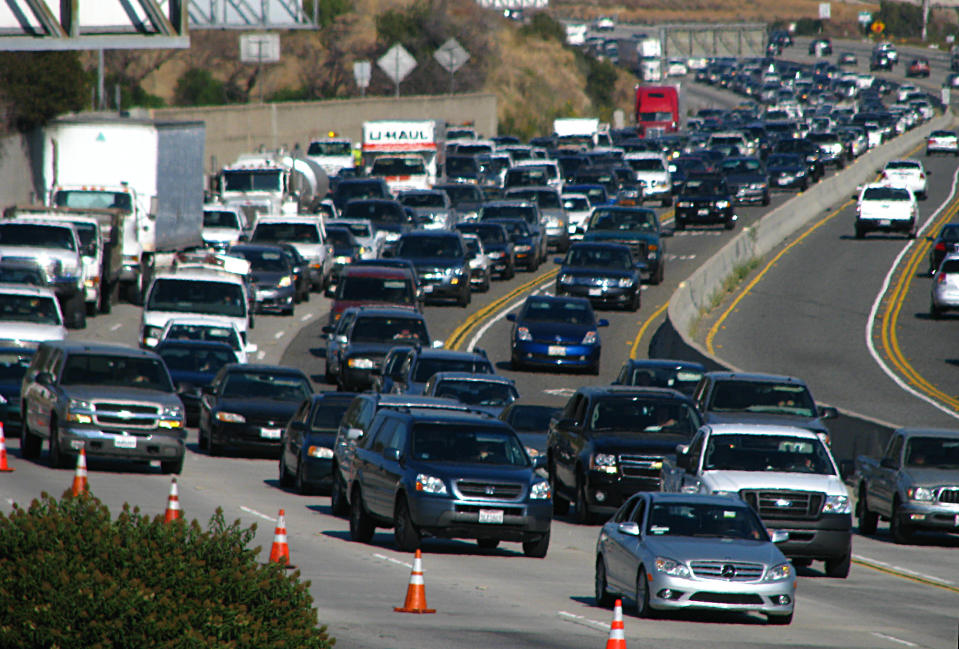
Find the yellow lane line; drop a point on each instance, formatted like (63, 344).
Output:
(642, 330)
(711, 335)
(904, 575)
(473, 321)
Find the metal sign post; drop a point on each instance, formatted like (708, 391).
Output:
(451, 56)
(260, 48)
(361, 74)
(397, 63)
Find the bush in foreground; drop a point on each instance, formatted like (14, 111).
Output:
(72, 576)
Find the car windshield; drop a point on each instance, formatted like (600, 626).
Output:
(376, 289)
(93, 198)
(641, 414)
(358, 229)
(935, 452)
(197, 296)
(468, 193)
(14, 364)
(949, 234)
(646, 164)
(220, 219)
(462, 166)
(525, 212)
(903, 165)
(31, 275)
(323, 148)
(209, 333)
(696, 186)
(705, 519)
(677, 378)
(183, 358)
(487, 234)
(564, 311)
(783, 160)
(327, 415)
(361, 189)
(741, 166)
(423, 199)
(252, 180)
(266, 385)
(548, 200)
(782, 453)
(624, 220)
(29, 308)
(425, 368)
(472, 247)
(372, 329)
(599, 257)
(398, 167)
(376, 211)
(292, 232)
(266, 261)
(37, 236)
(466, 444)
(116, 371)
(477, 393)
(443, 247)
(762, 396)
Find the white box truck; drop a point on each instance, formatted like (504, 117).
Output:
(400, 143)
(151, 170)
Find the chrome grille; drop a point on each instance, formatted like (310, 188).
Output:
(492, 490)
(796, 505)
(641, 466)
(727, 570)
(126, 415)
(949, 495)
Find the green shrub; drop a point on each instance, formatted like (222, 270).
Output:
(37, 86)
(808, 27)
(197, 87)
(326, 10)
(544, 26)
(73, 577)
(901, 19)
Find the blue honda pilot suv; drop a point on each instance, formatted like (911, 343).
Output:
(448, 474)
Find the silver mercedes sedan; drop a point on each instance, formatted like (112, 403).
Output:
(684, 551)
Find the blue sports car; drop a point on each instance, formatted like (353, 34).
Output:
(556, 331)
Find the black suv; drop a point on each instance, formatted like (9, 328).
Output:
(450, 475)
(610, 442)
(810, 152)
(442, 266)
(407, 369)
(739, 397)
(705, 198)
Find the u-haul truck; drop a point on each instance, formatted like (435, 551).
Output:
(408, 154)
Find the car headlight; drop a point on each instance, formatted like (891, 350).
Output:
(565, 278)
(80, 411)
(605, 462)
(456, 271)
(522, 333)
(624, 282)
(837, 505)
(684, 204)
(321, 452)
(230, 417)
(590, 338)
(344, 259)
(539, 491)
(496, 254)
(151, 335)
(780, 572)
(671, 567)
(523, 248)
(285, 281)
(360, 363)
(722, 204)
(921, 493)
(430, 484)
(722, 492)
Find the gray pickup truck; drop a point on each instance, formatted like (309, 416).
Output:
(113, 401)
(914, 485)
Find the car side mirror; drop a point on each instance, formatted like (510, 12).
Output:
(354, 434)
(682, 456)
(511, 317)
(565, 424)
(251, 348)
(392, 454)
(298, 426)
(437, 344)
(330, 291)
(342, 339)
(629, 528)
(44, 378)
(558, 261)
(539, 462)
(603, 322)
(779, 536)
(888, 463)
(828, 412)
(327, 329)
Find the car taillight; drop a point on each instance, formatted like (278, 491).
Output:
(940, 247)
(940, 278)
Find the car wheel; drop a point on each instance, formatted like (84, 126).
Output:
(901, 532)
(537, 548)
(867, 520)
(583, 515)
(487, 544)
(211, 446)
(487, 284)
(405, 535)
(643, 609)
(634, 302)
(780, 619)
(679, 224)
(58, 459)
(30, 445)
(860, 233)
(464, 300)
(515, 364)
(560, 504)
(839, 568)
(361, 525)
(339, 506)
(302, 487)
(174, 467)
(510, 271)
(657, 277)
(766, 199)
(934, 312)
(804, 186)
(286, 480)
(601, 588)
(328, 376)
(201, 440)
(729, 224)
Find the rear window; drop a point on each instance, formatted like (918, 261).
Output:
(427, 367)
(886, 194)
(292, 232)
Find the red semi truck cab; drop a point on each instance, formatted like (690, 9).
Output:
(657, 110)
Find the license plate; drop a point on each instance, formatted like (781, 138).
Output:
(491, 516)
(884, 222)
(555, 350)
(703, 212)
(593, 292)
(125, 441)
(271, 433)
(427, 289)
(782, 181)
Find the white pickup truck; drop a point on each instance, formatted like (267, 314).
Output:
(786, 474)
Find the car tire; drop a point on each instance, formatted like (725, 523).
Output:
(328, 376)
(406, 537)
(339, 505)
(464, 300)
(866, 520)
(934, 312)
(212, 448)
(583, 515)
(902, 533)
(679, 224)
(560, 504)
(515, 364)
(538, 547)
(657, 278)
(172, 467)
(286, 480)
(838, 568)
(729, 224)
(780, 619)
(634, 302)
(601, 594)
(30, 445)
(487, 544)
(299, 481)
(58, 460)
(643, 609)
(510, 272)
(361, 525)
(860, 233)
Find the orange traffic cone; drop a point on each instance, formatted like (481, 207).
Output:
(172, 504)
(617, 633)
(80, 485)
(416, 593)
(3, 452)
(280, 552)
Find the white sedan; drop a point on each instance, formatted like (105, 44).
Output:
(942, 142)
(906, 173)
(886, 208)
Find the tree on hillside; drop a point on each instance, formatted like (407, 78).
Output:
(35, 87)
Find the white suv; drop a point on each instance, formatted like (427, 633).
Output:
(886, 208)
(906, 173)
(307, 235)
(652, 171)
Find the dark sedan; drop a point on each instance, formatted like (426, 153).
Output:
(787, 171)
(556, 332)
(249, 406)
(346, 249)
(301, 271)
(442, 268)
(637, 228)
(604, 273)
(808, 150)
(705, 200)
(497, 244)
(525, 243)
(271, 274)
(661, 373)
(192, 365)
(306, 449)
(747, 179)
(946, 243)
